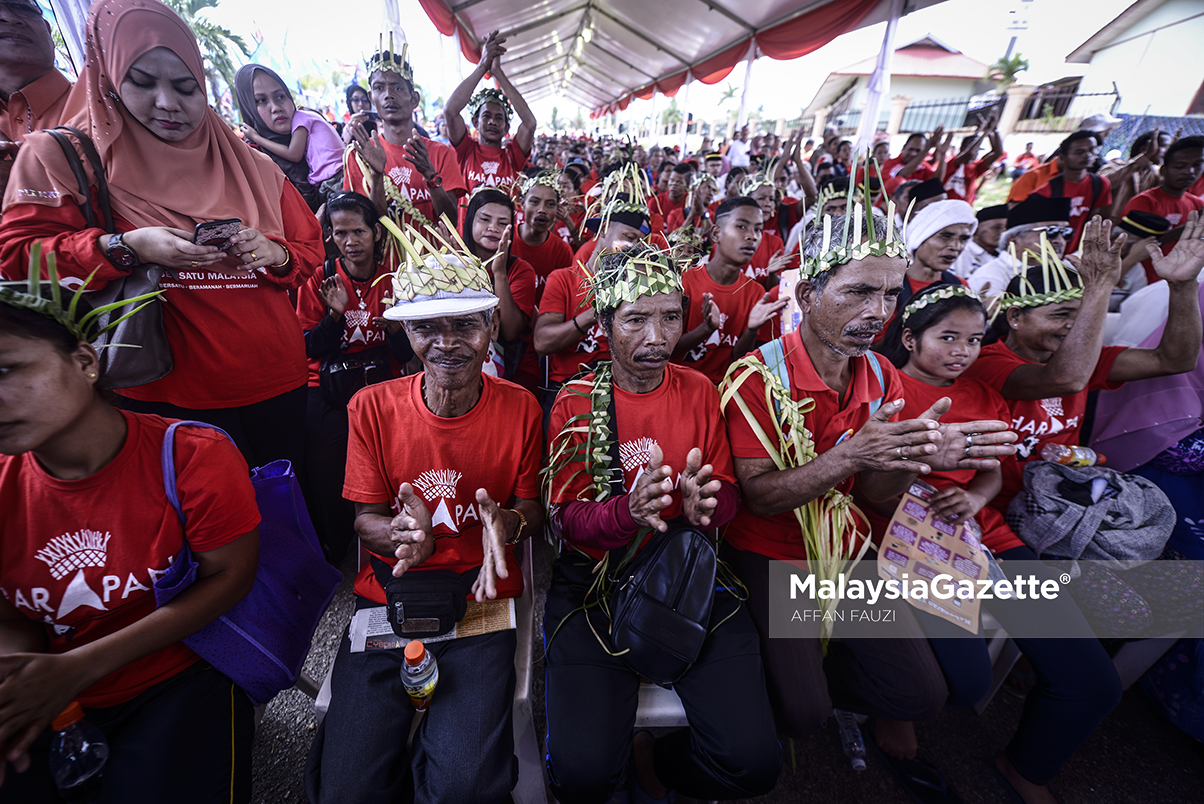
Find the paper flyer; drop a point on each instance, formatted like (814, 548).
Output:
(370, 629)
(790, 313)
(920, 546)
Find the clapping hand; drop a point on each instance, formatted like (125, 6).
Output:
(1100, 262)
(334, 294)
(1186, 259)
(698, 490)
(764, 310)
(651, 493)
(496, 526)
(410, 531)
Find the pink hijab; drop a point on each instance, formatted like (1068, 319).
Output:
(209, 176)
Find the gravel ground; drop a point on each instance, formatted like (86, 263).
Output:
(1135, 756)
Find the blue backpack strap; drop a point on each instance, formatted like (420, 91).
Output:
(774, 355)
(877, 368)
(168, 460)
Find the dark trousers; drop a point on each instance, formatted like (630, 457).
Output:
(730, 749)
(186, 739)
(896, 679)
(264, 431)
(1077, 685)
(463, 751)
(325, 465)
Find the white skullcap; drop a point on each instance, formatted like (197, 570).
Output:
(934, 217)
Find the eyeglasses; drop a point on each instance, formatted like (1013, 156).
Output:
(22, 8)
(1063, 232)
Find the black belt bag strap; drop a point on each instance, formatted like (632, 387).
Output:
(423, 603)
(661, 603)
(339, 379)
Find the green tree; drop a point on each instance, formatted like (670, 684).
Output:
(578, 121)
(672, 114)
(555, 123)
(215, 42)
(1004, 71)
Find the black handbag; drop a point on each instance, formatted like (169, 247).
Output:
(423, 603)
(135, 351)
(661, 603)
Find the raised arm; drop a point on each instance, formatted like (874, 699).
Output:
(491, 48)
(525, 136)
(1179, 349)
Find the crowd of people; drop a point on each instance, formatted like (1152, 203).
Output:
(465, 344)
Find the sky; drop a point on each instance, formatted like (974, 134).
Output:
(305, 31)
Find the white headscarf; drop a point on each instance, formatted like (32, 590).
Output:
(934, 217)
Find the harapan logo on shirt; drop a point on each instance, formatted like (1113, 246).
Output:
(490, 168)
(74, 551)
(634, 454)
(1052, 406)
(441, 484)
(401, 175)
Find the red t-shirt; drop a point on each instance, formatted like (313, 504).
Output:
(395, 439)
(735, 302)
(234, 337)
(663, 205)
(961, 183)
(365, 302)
(1056, 420)
(82, 556)
(644, 420)
(566, 293)
(1197, 189)
(1082, 201)
(830, 422)
(1173, 209)
(758, 266)
(522, 288)
(492, 167)
(545, 258)
(677, 219)
(406, 178)
(973, 400)
(891, 168)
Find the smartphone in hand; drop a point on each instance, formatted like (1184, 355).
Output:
(216, 233)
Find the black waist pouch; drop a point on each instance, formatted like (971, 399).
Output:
(423, 603)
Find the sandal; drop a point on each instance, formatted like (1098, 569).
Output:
(922, 780)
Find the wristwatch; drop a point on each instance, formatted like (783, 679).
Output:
(435, 181)
(120, 254)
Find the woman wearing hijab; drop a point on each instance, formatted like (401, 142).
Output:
(359, 107)
(171, 164)
(297, 172)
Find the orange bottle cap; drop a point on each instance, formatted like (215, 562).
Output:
(415, 652)
(73, 714)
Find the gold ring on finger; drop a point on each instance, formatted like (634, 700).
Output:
(253, 257)
(193, 265)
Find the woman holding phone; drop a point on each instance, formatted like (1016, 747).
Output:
(172, 166)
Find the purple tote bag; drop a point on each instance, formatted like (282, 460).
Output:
(261, 643)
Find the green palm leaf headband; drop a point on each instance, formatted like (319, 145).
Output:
(755, 181)
(847, 245)
(545, 178)
(388, 60)
(947, 292)
(624, 276)
(45, 297)
(1057, 283)
(490, 95)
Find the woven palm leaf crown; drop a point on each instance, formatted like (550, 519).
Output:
(947, 292)
(1058, 283)
(545, 178)
(439, 276)
(624, 276)
(45, 297)
(490, 95)
(389, 60)
(855, 238)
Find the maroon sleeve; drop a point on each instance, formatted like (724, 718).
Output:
(608, 524)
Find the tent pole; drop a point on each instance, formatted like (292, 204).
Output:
(742, 115)
(685, 115)
(879, 83)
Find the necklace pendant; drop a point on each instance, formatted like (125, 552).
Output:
(363, 305)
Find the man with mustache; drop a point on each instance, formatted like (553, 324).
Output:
(32, 92)
(437, 519)
(536, 242)
(727, 308)
(675, 463)
(488, 161)
(849, 401)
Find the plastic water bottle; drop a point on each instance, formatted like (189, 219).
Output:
(77, 756)
(850, 738)
(419, 675)
(1070, 455)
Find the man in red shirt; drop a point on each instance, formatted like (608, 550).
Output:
(674, 197)
(1181, 167)
(726, 307)
(846, 293)
(488, 161)
(412, 493)
(535, 242)
(411, 179)
(32, 92)
(909, 164)
(964, 170)
(1088, 193)
(1025, 162)
(675, 467)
